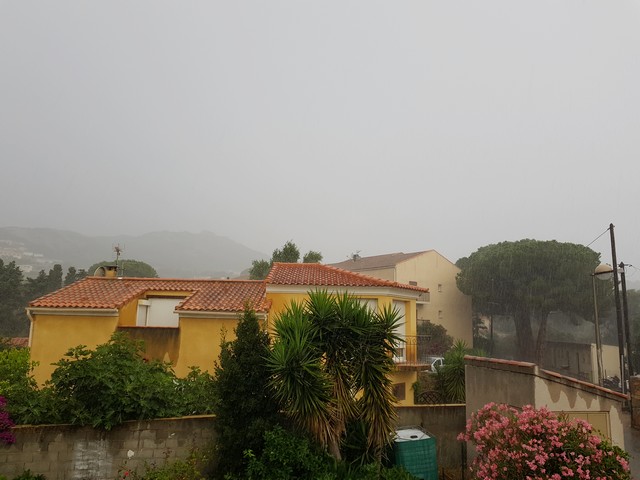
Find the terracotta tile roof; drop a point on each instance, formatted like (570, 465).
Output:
(316, 274)
(376, 261)
(113, 293)
(18, 342)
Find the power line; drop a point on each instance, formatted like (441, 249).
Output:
(595, 239)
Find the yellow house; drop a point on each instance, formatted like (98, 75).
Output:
(181, 321)
(445, 305)
(292, 281)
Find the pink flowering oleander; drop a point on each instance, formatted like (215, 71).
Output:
(6, 424)
(535, 444)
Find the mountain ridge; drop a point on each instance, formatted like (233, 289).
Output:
(172, 254)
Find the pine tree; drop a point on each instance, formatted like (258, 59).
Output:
(244, 407)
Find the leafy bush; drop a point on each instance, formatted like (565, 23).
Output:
(450, 379)
(16, 382)
(177, 470)
(194, 393)
(111, 384)
(101, 387)
(286, 457)
(27, 475)
(538, 445)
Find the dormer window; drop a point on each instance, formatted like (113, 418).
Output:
(158, 312)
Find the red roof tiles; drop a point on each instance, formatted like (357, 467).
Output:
(202, 295)
(315, 274)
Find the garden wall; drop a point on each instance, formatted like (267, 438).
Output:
(444, 422)
(65, 452)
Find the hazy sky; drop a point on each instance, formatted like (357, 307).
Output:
(378, 126)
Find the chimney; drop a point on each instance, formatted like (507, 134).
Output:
(111, 271)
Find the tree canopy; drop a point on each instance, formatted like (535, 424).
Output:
(128, 268)
(289, 253)
(12, 300)
(528, 279)
(243, 404)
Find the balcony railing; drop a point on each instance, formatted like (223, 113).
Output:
(414, 351)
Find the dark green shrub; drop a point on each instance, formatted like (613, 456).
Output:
(188, 469)
(27, 475)
(194, 393)
(111, 384)
(287, 457)
(243, 406)
(101, 387)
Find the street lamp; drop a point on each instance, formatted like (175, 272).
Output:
(602, 269)
(605, 271)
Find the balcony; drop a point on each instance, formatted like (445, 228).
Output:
(413, 353)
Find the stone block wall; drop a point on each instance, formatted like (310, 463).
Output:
(65, 452)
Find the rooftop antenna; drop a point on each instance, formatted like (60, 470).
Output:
(118, 250)
(355, 256)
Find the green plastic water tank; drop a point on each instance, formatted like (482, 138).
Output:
(415, 450)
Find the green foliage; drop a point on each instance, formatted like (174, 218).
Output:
(25, 402)
(128, 268)
(188, 469)
(243, 405)
(331, 363)
(27, 475)
(74, 275)
(54, 279)
(101, 388)
(312, 257)
(13, 321)
(287, 457)
(528, 279)
(111, 384)
(289, 253)
(194, 393)
(450, 378)
(259, 269)
(633, 298)
(439, 341)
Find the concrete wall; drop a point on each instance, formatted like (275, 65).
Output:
(64, 452)
(444, 422)
(521, 383)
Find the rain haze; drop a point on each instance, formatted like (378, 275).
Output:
(344, 126)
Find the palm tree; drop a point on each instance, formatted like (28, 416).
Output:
(331, 363)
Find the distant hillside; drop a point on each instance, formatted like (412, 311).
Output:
(172, 254)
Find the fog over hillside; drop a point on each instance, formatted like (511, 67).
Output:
(172, 254)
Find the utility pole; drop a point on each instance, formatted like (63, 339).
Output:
(616, 290)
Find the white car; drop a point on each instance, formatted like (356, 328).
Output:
(433, 363)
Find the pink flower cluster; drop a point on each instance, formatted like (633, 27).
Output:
(532, 444)
(6, 424)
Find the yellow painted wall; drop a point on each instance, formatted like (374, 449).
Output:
(200, 342)
(53, 335)
(561, 398)
(447, 306)
(408, 378)
(128, 313)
